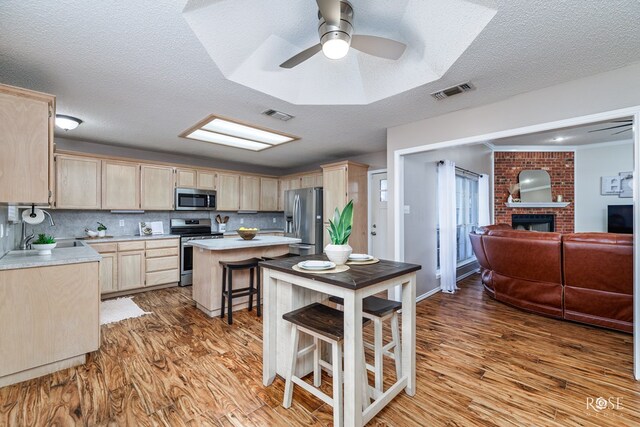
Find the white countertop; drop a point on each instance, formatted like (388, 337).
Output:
(59, 256)
(261, 231)
(239, 243)
(125, 238)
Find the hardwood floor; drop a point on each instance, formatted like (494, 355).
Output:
(479, 362)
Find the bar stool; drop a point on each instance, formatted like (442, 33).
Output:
(324, 324)
(228, 267)
(379, 310)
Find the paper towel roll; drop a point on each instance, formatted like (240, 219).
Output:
(37, 219)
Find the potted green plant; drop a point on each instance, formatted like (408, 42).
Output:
(102, 229)
(339, 231)
(44, 244)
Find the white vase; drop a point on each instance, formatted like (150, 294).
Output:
(102, 233)
(43, 249)
(338, 254)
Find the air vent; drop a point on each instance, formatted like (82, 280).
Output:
(453, 90)
(278, 115)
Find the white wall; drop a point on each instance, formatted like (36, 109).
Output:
(599, 93)
(420, 177)
(591, 164)
(376, 160)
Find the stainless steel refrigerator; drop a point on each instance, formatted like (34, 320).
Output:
(303, 220)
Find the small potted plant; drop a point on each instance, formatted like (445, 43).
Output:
(102, 229)
(44, 244)
(339, 231)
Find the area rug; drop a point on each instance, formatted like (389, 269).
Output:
(115, 310)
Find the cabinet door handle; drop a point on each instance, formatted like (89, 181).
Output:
(373, 233)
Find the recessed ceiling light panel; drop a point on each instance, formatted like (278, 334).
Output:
(227, 132)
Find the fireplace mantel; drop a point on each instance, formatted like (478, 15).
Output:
(537, 205)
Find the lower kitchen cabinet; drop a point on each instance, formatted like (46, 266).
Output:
(131, 270)
(127, 266)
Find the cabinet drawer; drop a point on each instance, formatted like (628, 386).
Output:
(166, 263)
(156, 253)
(163, 277)
(162, 243)
(104, 247)
(131, 246)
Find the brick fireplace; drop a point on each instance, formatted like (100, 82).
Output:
(559, 165)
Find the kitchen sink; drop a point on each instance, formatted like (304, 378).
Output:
(69, 244)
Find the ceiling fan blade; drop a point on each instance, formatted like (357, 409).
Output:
(330, 11)
(612, 127)
(301, 57)
(378, 46)
(625, 130)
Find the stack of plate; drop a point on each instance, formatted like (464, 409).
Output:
(316, 265)
(356, 258)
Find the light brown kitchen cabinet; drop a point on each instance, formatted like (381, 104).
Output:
(131, 269)
(108, 272)
(157, 187)
(78, 182)
(120, 185)
(344, 181)
(186, 178)
(27, 174)
(228, 196)
(307, 181)
(318, 179)
(249, 193)
(284, 186)
(207, 180)
(268, 194)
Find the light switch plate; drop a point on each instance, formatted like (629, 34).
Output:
(274, 220)
(122, 223)
(407, 209)
(241, 220)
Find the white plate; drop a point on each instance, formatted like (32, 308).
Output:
(316, 265)
(360, 257)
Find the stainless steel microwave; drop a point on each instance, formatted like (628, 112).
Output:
(189, 199)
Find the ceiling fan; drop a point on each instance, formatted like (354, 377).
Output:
(626, 123)
(336, 36)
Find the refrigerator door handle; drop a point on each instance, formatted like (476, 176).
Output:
(298, 216)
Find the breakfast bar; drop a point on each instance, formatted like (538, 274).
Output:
(207, 272)
(286, 289)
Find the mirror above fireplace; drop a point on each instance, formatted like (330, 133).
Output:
(535, 186)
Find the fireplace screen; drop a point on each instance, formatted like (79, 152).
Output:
(545, 222)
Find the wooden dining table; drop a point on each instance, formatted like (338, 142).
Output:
(286, 289)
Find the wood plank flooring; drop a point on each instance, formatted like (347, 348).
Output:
(479, 362)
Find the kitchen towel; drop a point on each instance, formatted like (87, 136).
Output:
(115, 310)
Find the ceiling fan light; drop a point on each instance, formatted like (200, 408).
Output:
(67, 122)
(335, 48)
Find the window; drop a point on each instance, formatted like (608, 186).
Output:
(466, 216)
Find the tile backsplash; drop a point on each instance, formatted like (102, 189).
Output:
(70, 223)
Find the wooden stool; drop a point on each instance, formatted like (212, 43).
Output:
(228, 267)
(324, 324)
(379, 310)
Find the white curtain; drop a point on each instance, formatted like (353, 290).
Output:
(484, 214)
(447, 221)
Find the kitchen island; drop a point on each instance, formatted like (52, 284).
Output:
(207, 272)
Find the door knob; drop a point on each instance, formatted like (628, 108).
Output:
(373, 233)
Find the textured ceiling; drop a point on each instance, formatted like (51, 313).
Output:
(248, 48)
(138, 76)
(592, 133)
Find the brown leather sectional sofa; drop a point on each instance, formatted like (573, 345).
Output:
(584, 277)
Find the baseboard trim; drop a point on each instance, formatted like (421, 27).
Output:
(428, 294)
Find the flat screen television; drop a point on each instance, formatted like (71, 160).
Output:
(620, 219)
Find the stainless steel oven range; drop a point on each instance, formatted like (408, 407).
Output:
(190, 229)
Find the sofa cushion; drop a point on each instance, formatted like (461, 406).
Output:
(598, 278)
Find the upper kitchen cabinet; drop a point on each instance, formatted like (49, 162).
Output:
(120, 185)
(78, 182)
(268, 194)
(186, 178)
(249, 193)
(156, 184)
(228, 196)
(26, 138)
(344, 181)
(207, 180)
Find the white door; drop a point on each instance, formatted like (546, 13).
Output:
(378, 215)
